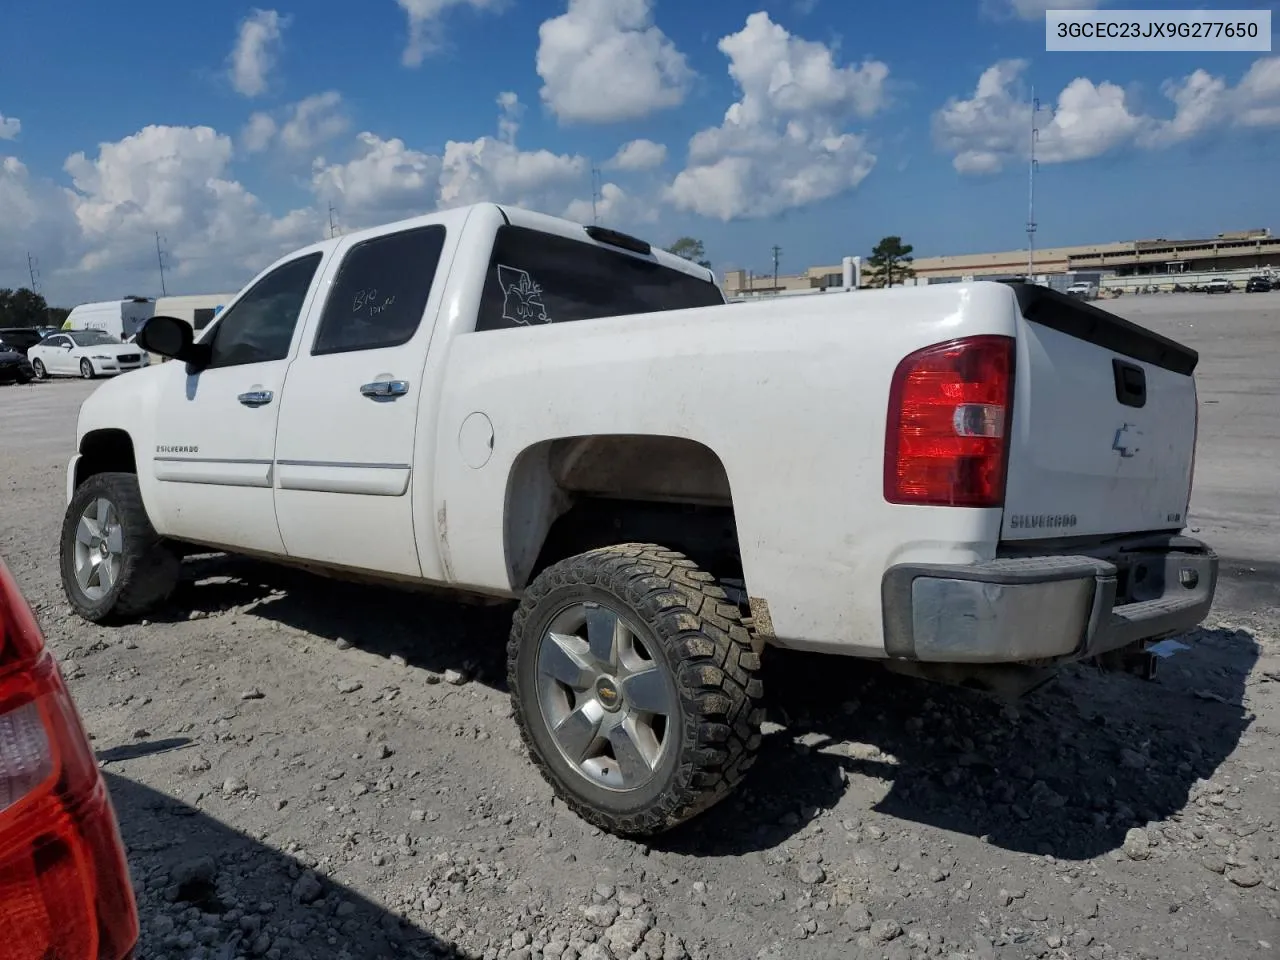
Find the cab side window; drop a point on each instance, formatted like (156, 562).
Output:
(259, 327)
(381, 292)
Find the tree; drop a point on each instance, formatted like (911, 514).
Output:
(690, 249)
(22, 308)
(890, 262)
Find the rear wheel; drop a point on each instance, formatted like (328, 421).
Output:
(86, 369)
(636, 687)
(38, 366)
(114, 565)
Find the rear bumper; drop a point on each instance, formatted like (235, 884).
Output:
(1023, 609)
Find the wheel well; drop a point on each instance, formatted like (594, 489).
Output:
(574, 494)
(105, 451)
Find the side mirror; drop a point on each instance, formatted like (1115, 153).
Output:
(172, 338)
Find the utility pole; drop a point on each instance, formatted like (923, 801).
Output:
(1031, 191)
(333, 230)
(160, 260)
(777, 253)
(32, 272)
(595, 193)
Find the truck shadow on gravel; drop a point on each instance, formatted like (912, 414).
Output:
(430, 632)
(1066, 771)
(209, 892)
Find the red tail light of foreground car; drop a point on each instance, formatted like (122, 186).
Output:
(64, 885)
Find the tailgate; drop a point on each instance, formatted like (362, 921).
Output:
(1104, 424)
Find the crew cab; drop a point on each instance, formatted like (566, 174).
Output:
(975, 479)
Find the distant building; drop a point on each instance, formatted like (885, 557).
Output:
(1242, 250)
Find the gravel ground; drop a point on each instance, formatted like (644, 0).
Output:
(309, 769)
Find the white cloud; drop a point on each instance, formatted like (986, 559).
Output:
(783, 143)
(495, 169)
(992, 128)
(10, 127)
(304, 126)
(614, 206)
(174, 180)
(258, 132)
(603, 61)
(1204, 103)
(388, 180)
(37, 219)
(255, 51)
(1035, 9)
(313, 121)
(638, 155)
(424, 24)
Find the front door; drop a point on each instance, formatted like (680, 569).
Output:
(215, 430)
(345, 447)
(60, 360)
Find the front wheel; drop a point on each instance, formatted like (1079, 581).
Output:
(636, 687)
(113, 563)
(86, 369)
(41, 373)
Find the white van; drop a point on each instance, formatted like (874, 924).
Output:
(198, 310)
(118, 318)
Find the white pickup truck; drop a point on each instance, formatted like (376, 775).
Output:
(965, 481)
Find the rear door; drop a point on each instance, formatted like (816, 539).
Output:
(1104, 424)
(352, 399)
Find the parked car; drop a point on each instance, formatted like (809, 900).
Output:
(1258, 284)
(1219, 285)
(14, 367)
(67, 891)
(513, 406)
(1083, 289)
(84, 353)
(20, 339)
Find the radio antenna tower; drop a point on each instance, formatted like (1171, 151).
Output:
(160, 260)
(333, 229)
(1031, 190)
(33, 273)
(595, 193)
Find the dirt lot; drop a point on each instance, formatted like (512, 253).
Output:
(308, 769)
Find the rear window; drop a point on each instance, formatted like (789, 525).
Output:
(537, 277)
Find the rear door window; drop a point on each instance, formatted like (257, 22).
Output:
(381, 292)
(537, 278)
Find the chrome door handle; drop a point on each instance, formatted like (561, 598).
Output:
(256, 398)
(385, 389)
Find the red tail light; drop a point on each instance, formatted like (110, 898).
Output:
(946, 442)
(64, 885)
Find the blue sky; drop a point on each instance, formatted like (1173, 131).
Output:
(230, 129)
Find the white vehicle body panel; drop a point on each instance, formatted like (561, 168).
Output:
(345, 460)
(1080, 463)
(727, 379)
(449, 483)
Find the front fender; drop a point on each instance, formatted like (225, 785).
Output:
(127, 404)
